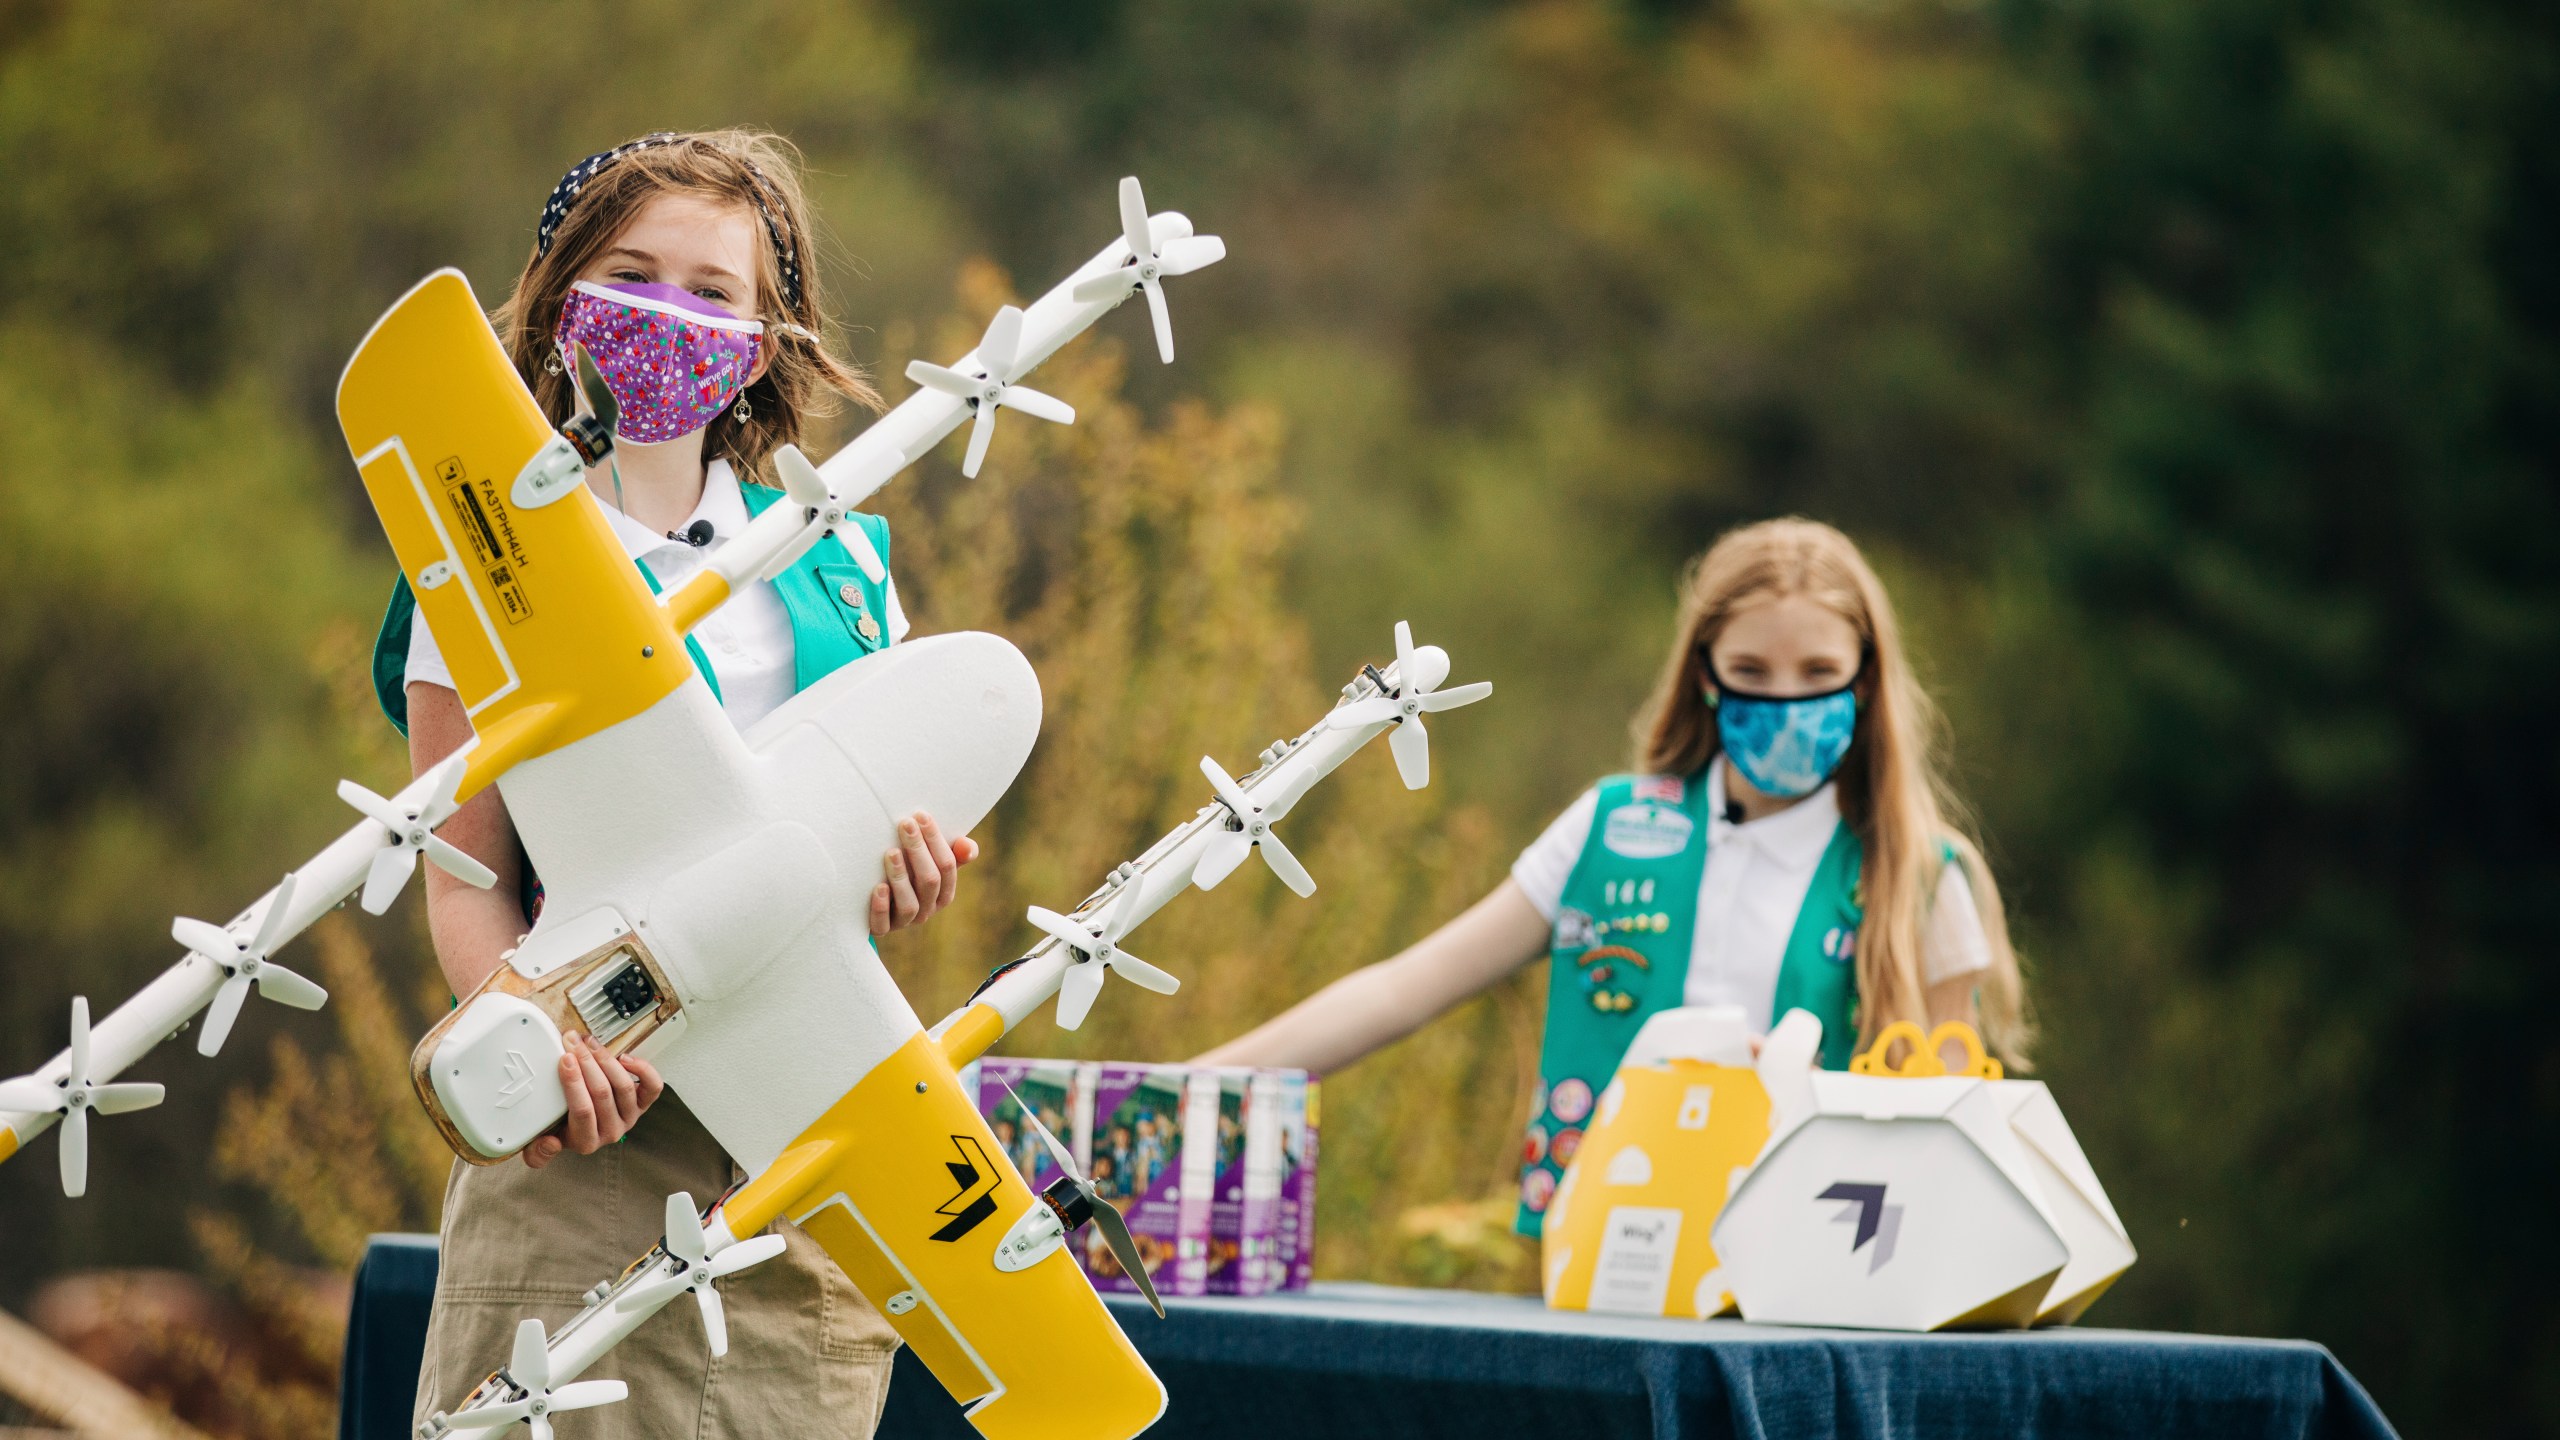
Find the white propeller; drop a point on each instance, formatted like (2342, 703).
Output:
(1418, 675)
(73, 1097)
(1095, 946)
(245, 962)
(695, 1273)
(1228, 847)
(1150, 263)
(808, 488)
(1106, 1217)
(992, 387)
(530, 1370)
(410, 833)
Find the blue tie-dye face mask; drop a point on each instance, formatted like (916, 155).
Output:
(1787, 748)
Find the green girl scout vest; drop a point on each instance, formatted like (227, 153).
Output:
(1620, 952)
(838, 614)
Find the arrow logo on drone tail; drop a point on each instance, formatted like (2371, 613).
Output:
(1876, 1220)
(977, 1178)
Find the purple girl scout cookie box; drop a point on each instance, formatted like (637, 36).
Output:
(1214, 1168)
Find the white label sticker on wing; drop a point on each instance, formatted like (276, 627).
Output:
(459, 652)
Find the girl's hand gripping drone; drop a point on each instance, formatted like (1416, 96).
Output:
(706, 890)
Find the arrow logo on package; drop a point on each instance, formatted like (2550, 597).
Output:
(1876, 1220)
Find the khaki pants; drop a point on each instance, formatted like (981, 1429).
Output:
(808, 1356)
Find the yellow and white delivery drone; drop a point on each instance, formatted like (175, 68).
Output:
(706, 890)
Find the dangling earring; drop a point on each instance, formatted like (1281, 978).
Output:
(552, 366)
(744, 414)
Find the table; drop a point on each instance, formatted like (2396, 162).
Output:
(1372, 1360)
(386, 1337)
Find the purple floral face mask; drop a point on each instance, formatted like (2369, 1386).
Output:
(673, 360)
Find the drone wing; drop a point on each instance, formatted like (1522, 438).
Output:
(911, 1193)
(550, 632)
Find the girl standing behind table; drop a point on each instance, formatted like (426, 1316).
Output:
(1788, 842)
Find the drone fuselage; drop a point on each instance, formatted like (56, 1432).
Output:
(743, 864)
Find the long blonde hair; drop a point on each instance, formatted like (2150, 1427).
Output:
(755, 171)
(1892, 785)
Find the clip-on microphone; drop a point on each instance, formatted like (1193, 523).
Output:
(697, 534)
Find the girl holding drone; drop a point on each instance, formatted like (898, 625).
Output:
(681, 264)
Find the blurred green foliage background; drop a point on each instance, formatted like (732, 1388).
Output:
(2187, 365)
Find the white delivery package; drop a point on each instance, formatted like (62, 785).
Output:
(1912, 1199)
(2100, 1248)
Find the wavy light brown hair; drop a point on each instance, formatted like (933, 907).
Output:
(748, 168)
(1893, 791)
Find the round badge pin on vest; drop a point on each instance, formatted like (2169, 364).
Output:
(1627, 1231)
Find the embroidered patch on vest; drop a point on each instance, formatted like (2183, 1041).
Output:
(1840, 944)
(1613, 979)
(1646, 831)
(1574, 930)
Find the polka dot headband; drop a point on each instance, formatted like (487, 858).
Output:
(565, 195)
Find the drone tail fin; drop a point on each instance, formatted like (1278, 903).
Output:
(910, 1192)
(513, 565)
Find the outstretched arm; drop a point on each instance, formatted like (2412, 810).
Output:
(1377, 1005)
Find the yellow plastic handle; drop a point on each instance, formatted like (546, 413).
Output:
(1982, 1065)
(1923, 1060)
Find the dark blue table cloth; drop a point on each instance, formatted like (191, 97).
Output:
(1369, 1360)
(386, 1337)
